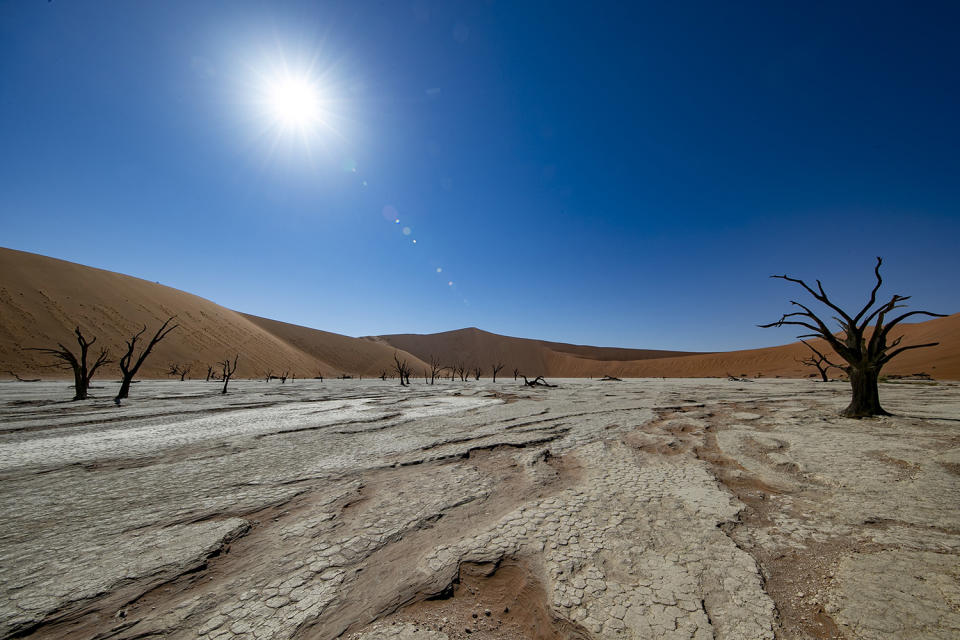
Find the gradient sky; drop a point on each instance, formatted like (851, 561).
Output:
(612, 173)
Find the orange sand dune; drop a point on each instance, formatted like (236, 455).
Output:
(535, 357)
(476, 348)
(42, 299)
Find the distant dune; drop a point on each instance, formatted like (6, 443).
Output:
(42, 299)
(536, 357)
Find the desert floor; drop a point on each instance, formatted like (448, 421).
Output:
(361, 509)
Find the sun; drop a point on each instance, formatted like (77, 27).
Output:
(294, 102)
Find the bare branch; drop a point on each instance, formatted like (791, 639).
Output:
(885, 359)
(873, 294)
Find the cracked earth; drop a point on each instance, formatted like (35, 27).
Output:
(362, 510)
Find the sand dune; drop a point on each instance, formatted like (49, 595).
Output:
(42, 299)
(536, 357)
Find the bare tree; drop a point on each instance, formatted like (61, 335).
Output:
(402, 369)
(128, 366)
(268, 376)
(383, 374)
(516, 372)
(209, 373)
(461, 371)
(865, 356)
(284, 376)
(320, 375)
(496, 369)
(819, 361)
(435, 367)
(476, 373)
(82, 373)
(228, 369)
(177, 370)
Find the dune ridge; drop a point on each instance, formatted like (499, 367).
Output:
(42, 299)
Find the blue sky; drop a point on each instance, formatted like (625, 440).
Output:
(620, 174)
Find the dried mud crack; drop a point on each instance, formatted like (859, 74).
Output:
(672, 509)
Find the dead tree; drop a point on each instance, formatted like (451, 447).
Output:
(537, 382)
(496, 369)
(516, 372)
(82, 372)
(476, 373)
(819, 361)
(865, 355)
(383, 374)
(176, 370)
(209, 373)
(320, 375)
(284, 376)
(435, 367)
(228, 369)
(402, 369)
(268, 376)
(461, 371)
(129, 367)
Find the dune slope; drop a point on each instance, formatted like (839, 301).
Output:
(42, 299)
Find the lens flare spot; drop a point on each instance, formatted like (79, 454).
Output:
(406, 230)
(450, 284)
(439, 270)
(414, 242)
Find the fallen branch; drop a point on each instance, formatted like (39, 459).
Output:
(537, 382)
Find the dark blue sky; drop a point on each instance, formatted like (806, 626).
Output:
(604, 173)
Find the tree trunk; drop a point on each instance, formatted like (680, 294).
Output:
(866, 397)
(124, 388)
(226, 381)
(80, 385)
(823, 374)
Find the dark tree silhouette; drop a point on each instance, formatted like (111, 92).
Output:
(476, 373)
(177, 370)
(269, 375)
(82, 372)
(129, 366)
(537, 382)
(516, 372)
(402, 369)
(383, 374)
(819, 361)
(209, 373)
(496, 369)
(228, 369)
(435, 367)
(284, 376)
(865, 356)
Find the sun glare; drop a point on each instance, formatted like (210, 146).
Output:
(294, 102)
